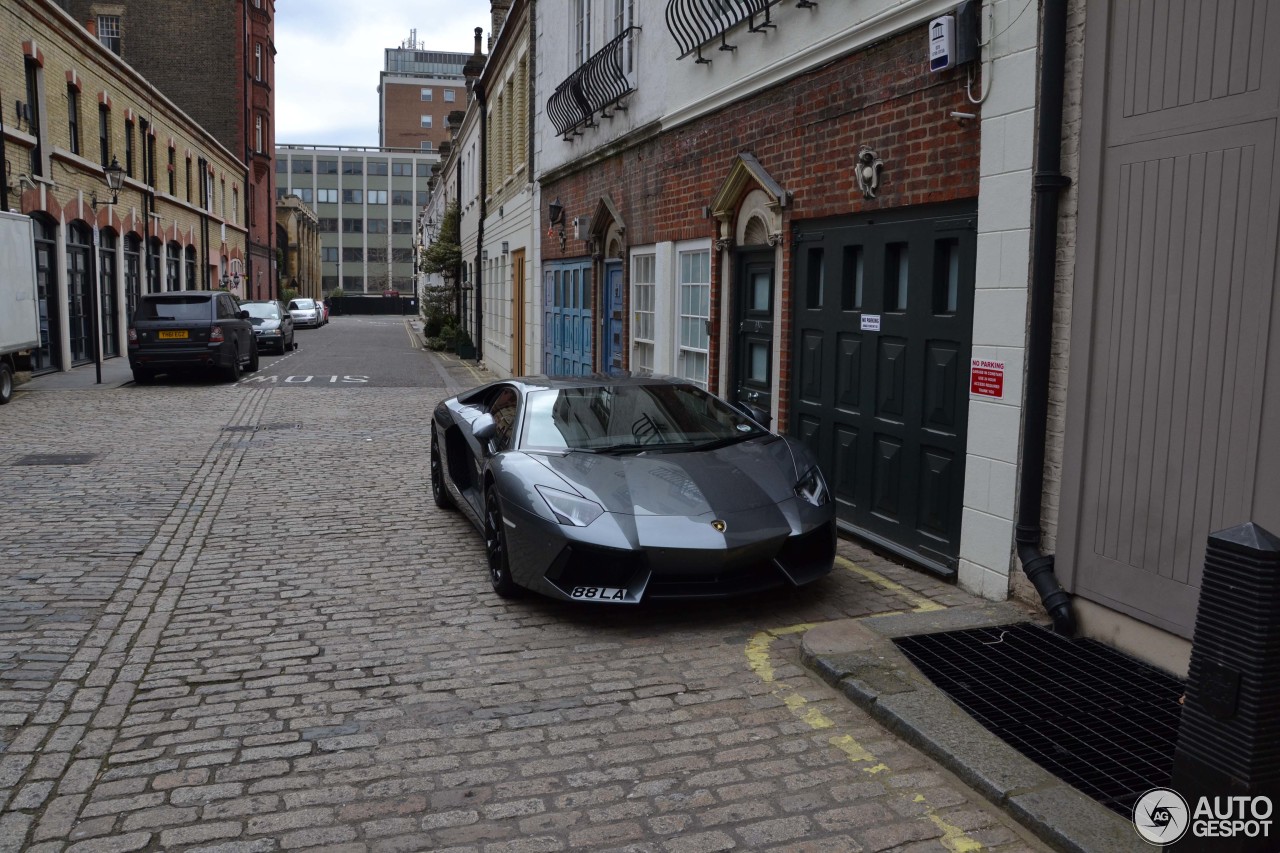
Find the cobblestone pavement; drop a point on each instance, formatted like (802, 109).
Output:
(243, 626)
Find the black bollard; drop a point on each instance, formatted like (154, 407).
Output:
(1229, 736)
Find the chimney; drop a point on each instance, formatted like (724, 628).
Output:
(471, 70)
(498, 10)
(92, 26)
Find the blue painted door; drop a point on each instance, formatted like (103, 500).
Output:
(566, 320)
(611, 312)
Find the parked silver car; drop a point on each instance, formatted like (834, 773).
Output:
(306, 312)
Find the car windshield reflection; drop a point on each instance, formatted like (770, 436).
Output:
(261, 310)
(632, 419)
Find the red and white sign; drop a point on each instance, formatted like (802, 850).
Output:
(986, 378)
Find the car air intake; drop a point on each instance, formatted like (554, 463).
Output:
(1229, 737)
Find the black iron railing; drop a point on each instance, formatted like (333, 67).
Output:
(694, 24)
(596, 87)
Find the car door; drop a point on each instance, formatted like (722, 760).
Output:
(502, 404)
(286, 324)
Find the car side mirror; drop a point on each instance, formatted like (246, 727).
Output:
(244, 315)
(756, 414)
(484, 428)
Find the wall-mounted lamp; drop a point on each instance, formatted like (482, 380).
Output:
(115, 180)
(555, 214)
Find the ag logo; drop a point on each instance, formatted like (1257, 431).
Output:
(1161, 816)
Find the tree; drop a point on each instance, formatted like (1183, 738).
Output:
(444, 256)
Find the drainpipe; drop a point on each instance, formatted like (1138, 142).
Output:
(484, 211)
(1047, 185)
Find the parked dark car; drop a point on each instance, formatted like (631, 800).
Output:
(617, 489)
(272, 325)
(191, 330)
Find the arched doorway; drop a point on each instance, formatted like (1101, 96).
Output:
(107, 274)
(48, 355)
(80, 292)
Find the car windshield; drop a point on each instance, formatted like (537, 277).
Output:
(632, 418)
(261, 310)
(174, 308)
(301, 305)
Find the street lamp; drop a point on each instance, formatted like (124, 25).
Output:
(115, 180)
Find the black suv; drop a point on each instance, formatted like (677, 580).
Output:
(191, 330)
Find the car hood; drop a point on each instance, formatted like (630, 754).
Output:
(264, 322)
(731, 479)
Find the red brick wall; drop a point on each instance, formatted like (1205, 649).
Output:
(805, 133)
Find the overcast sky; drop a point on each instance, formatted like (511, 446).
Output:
(329, 53)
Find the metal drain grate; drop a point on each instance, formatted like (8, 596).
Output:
(1097, 719)
(56, 459)
(261, 427)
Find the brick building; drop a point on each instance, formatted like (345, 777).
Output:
(216, 61)
(299, 245)
(417, 89)
(177, 222)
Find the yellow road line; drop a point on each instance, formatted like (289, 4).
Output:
(918, 602)
(413, 339)
(759, 657)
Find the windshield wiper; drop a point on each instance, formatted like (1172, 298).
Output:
(716, 444)
(634, 447)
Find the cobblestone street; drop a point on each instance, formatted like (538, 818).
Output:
(238, 623)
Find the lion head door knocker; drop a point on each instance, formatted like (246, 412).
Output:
(868, 171)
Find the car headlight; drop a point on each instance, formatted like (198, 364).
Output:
(570, 509)
(812, 487)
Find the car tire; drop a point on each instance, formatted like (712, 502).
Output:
(143, 377)
(231, 372)
(439, 493)
(253, 358)
(6, 382)
(495, 543)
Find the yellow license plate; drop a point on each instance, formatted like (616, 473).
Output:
(173, 335)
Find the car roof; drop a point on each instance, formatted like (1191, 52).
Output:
(541, 382)
(168, 294)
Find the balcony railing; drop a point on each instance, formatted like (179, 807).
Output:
(593, 89)
(694, 24)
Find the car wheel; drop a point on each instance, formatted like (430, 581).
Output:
(439, 493)
(253, 358)
(6, 382)
(232, 372)
(495, 542)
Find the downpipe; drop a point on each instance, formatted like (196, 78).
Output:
(1047, 186)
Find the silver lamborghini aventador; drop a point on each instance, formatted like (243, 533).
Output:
(617, 490)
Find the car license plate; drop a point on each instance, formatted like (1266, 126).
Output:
(173, 335)
(599, 593)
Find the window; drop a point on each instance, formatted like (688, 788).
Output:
(326, 167)
(377, 167)
(257, 62)
(327, 225)
(73, 118)
(302, 165)
(377, 197)
(402, 256)
(350, 255)
(694, 313)
(642, 298)
(327, 196)
(329, 254)
(402, 170)
(449, 96)
(426, 121)
(128, 147)
(353, 167)
(304, 193)
(188, 178)
(402, 226)
(425, 93)
(353, 282)
(281, 192)
(624, 13)
(377, 255)
(109, 32)
(173, 171)
(424, 170)
(422, 198)
(352, 196)
(352, 226)
(104, 135)
(424, 145)
(257, 134)
(34, 125)
(376, 226)
(402, 197)
(582, 30)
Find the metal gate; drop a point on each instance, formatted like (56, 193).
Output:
(566, 300)
(883, 309)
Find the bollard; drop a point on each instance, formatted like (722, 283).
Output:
(1229, 735)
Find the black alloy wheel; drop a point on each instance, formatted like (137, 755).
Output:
(253, 357)
(6, 382)
(495, 542)
(439, 493)
(232, 372)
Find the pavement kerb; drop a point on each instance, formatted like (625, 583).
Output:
(859, 658)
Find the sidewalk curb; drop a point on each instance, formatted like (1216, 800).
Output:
(859, 658)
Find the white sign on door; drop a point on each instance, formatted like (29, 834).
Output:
(870, 322)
